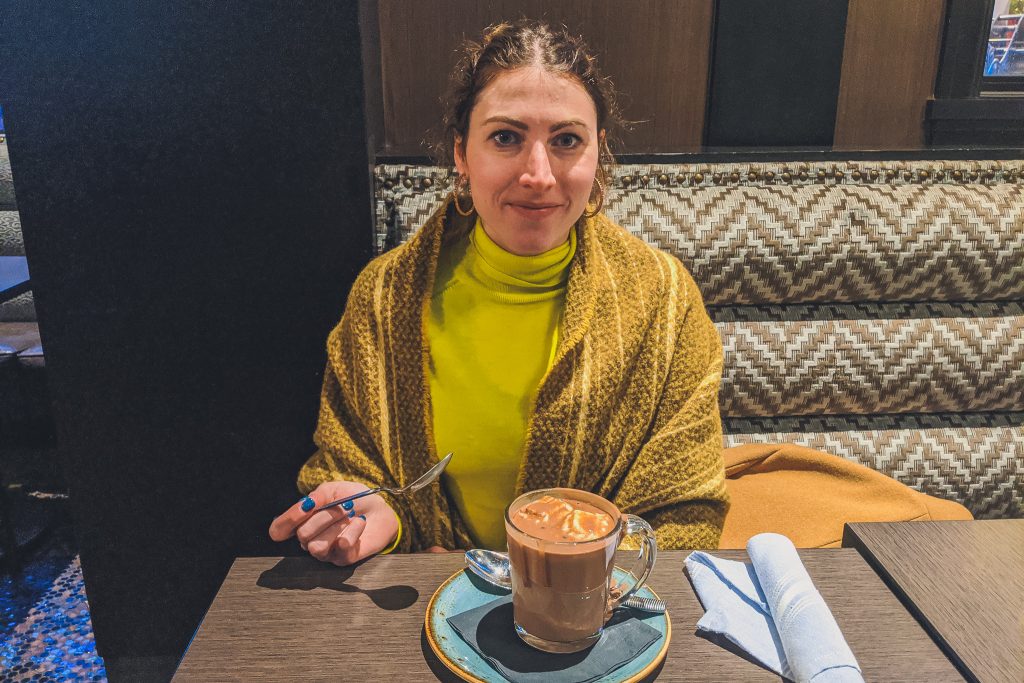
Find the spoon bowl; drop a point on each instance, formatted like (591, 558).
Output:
(426, 478)
(491, 566)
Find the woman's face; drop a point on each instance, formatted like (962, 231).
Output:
(531, 153)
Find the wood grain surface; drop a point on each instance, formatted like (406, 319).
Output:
(890, 60)
(656, 53)
(281, 619)
(964, 580)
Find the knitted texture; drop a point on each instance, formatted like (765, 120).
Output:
(628, 410)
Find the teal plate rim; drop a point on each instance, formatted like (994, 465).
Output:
(463, 591)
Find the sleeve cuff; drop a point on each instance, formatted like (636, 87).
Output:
(398, 536)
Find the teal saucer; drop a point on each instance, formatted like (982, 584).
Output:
(464, 591)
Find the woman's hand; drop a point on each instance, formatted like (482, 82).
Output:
(338, 535)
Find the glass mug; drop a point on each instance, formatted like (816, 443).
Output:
(562, 591)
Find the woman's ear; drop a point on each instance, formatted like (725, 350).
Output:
(460, 156)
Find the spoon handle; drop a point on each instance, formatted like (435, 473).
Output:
(341, 501)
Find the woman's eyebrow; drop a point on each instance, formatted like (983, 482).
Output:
(510, 121)
(522, 126)
(566, 124)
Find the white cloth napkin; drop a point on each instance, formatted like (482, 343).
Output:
(771, 609)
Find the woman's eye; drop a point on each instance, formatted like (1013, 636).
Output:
(504, 137)
(567, 140)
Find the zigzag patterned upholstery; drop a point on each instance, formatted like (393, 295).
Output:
(874, 365)
(874, 310)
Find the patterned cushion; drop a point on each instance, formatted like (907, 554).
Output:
(870, 358)
(11, 242)
(756, 241)
(874, 310)
(7, 201)
(21, 307)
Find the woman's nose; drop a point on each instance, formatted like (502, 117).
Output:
(537, 174)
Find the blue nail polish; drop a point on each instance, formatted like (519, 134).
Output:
(308, 504)
(351, 514)
(362, 517)
(348, 505)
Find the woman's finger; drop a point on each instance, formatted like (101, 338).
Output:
(347, 546)
(284, 526)
(321, 546)
(321, 521)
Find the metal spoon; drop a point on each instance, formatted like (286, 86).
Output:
(493, 567)
(428, 477)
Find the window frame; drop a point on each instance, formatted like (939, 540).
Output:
(968, 108)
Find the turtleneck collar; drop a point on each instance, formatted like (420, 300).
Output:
(507, 270)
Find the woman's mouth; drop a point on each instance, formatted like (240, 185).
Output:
(535, 211)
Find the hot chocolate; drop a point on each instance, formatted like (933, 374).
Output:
(561, 550)
(561, 546)
(558, 519)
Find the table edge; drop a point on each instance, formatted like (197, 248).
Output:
(852, 540)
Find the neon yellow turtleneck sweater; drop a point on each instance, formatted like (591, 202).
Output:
(492, 330)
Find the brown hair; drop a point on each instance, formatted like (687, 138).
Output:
(513, 45)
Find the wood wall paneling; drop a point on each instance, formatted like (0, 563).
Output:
(889, 67)
(655, 52)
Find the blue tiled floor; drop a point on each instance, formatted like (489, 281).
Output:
(45, 629)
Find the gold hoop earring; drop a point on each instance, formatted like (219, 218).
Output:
(600, 199)
(461, 185)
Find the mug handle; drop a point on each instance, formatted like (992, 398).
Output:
(648, 553)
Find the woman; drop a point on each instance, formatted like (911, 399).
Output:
(521, 330)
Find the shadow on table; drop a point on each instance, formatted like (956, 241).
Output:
(729, 646)
(445, 675)
(305, 573)
(492, 637)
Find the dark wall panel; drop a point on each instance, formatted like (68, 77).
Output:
(655, 52)
(775, 72)
(193, 186)
(967, 24)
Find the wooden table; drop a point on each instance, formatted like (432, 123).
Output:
(14, 278)
(963, 580)
(280, 619)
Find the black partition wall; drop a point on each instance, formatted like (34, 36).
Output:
(193, 185)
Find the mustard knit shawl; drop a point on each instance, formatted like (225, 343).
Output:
(628, 410)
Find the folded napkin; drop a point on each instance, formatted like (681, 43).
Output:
(771, 610)
(490, 631)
